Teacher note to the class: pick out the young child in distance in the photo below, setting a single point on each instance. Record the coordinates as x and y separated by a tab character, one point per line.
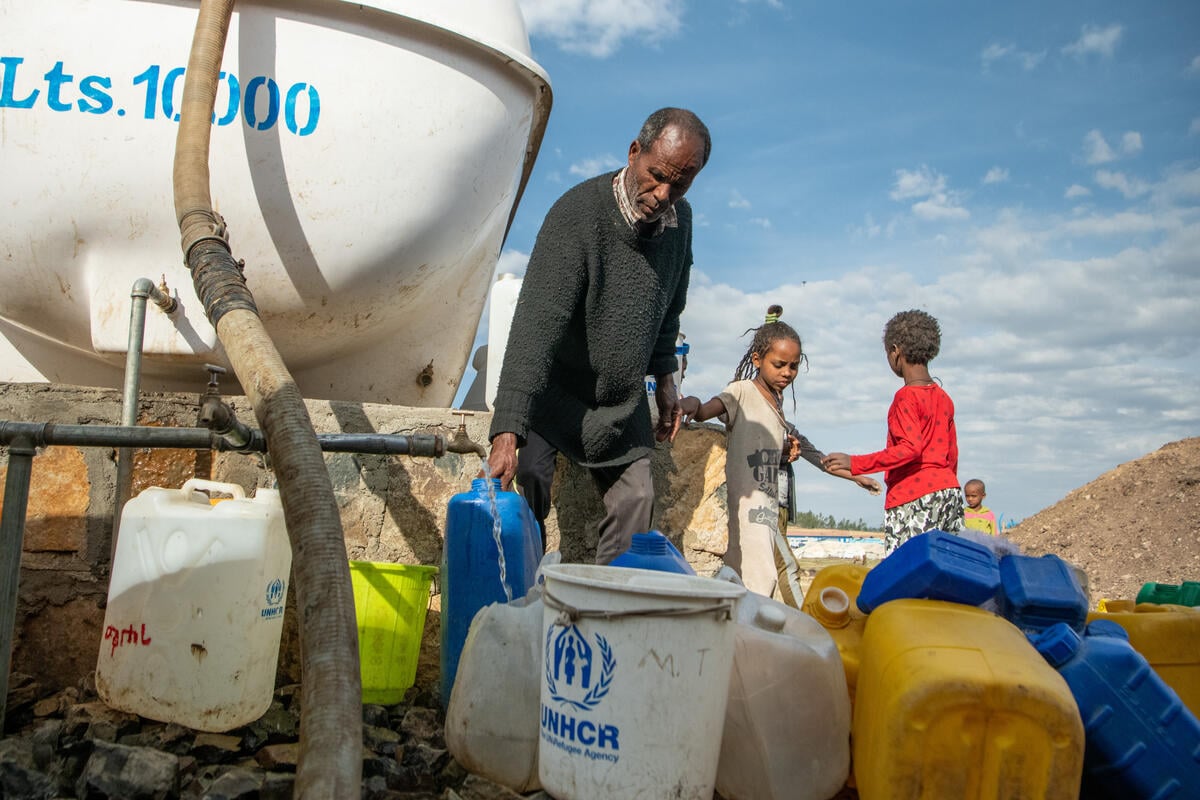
977	516
761	441
920	462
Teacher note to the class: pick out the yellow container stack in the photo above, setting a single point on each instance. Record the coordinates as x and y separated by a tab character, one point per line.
953	702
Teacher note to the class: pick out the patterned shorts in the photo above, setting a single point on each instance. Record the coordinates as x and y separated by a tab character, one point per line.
941	510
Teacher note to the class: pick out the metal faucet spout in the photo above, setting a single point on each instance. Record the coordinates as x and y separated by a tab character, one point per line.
461	442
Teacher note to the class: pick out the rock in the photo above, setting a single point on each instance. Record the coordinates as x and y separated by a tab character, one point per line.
129	773
84	749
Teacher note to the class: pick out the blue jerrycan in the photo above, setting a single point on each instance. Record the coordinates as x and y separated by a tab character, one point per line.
482	564
1141	741
935	566
1036	592
652	550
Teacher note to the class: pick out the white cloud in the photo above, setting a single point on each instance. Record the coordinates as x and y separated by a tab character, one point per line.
512	261
1043	349
1194	128
595	165
1194	67
1030	60
1123	223
1094	39
870	229
1096	149
1130	187
918	183
1075	190
599	27
996	52
996	175
936	202
761	222
1177	185
1131	143
771	3
939	207
737	201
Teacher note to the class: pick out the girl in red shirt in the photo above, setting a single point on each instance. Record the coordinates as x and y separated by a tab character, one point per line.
920	462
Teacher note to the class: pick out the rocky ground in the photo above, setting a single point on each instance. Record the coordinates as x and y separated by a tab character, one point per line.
70	745
1139	522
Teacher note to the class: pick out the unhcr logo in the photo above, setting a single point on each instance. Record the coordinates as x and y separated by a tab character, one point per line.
577	674
274	598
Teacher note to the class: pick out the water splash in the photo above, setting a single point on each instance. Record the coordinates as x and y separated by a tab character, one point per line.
491	487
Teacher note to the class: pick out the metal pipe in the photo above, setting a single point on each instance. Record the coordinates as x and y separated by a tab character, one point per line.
23	439
12	537
143	289
421	445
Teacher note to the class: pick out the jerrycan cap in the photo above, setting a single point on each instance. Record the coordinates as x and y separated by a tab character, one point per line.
1057	644
770	618
832	608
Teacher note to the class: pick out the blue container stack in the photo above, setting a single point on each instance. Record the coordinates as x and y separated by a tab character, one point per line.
1142	743
654	551
470	570
1036	593
933	566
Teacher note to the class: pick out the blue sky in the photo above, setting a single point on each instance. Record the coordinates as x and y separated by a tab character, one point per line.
1028	173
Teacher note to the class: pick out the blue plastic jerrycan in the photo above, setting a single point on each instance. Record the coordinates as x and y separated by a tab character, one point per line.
1036	592
652	550
478	570
1141	741
934	566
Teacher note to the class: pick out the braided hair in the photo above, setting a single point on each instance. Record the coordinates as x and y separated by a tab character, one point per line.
766	335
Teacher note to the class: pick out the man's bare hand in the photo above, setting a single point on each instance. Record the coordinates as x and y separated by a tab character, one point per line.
670	412
502	461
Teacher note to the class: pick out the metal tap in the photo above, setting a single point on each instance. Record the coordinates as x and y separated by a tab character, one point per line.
462	443
217	415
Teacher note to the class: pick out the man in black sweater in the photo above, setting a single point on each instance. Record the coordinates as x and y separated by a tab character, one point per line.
598	311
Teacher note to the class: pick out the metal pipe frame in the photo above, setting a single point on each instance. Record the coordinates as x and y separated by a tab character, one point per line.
24	438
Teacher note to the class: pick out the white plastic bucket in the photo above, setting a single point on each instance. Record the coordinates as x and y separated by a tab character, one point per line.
635	676
195	606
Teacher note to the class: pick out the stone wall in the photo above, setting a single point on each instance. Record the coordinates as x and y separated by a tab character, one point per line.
393	508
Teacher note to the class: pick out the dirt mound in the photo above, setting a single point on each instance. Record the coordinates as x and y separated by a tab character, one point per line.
1136	523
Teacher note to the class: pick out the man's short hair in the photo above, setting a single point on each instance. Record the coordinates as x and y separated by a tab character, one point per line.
664	118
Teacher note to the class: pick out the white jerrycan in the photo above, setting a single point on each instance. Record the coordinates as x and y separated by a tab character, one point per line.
195	606
787	724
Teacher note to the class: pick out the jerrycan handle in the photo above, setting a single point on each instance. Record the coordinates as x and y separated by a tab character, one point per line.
193	485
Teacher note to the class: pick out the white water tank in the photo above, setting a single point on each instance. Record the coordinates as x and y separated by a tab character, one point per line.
366	157
505	292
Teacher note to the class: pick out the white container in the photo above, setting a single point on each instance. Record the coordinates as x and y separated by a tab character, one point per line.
502	306
681	352
492	717
195	606
366	156
635	678
787	724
